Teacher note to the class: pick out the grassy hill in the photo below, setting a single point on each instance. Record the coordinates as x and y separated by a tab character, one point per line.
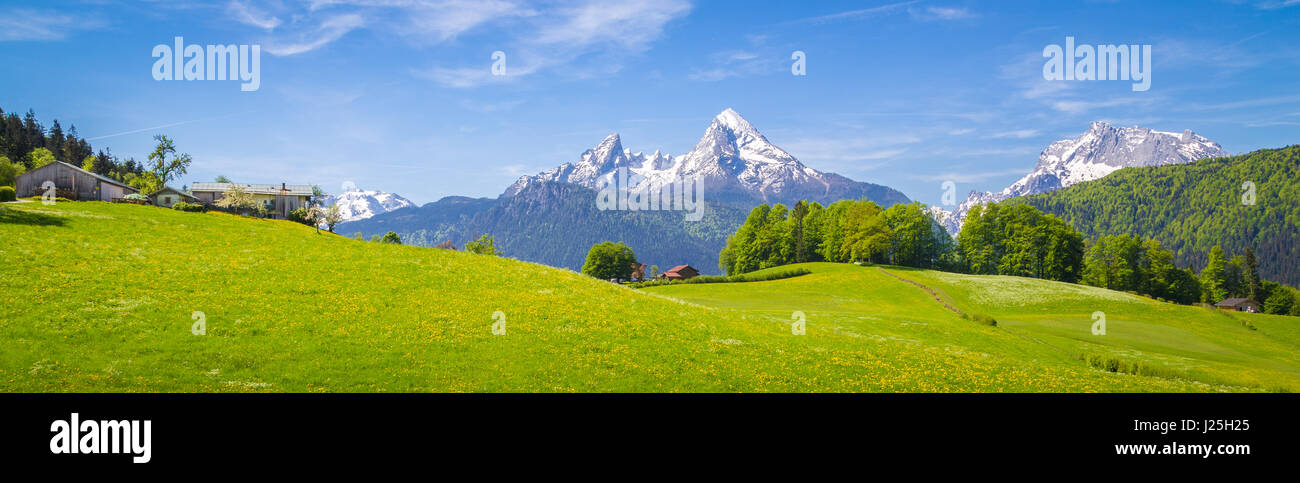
100	297
1040	321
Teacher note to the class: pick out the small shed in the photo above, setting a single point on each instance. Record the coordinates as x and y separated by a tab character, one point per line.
70	182
680	272
1239	305
169	196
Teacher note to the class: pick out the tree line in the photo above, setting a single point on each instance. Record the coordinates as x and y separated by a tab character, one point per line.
26	144
996	239
844	231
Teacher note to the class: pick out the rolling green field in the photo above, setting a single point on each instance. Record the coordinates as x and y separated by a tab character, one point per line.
101	297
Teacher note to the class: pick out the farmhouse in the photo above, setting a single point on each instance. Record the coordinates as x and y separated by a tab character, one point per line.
279	200
1239	305
680	272
70	182
169	196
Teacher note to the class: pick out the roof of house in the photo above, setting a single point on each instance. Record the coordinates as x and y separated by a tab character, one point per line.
679	268
96	176
256	189
1235	302
173	190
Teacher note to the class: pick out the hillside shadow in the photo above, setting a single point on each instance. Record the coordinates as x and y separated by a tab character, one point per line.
24	217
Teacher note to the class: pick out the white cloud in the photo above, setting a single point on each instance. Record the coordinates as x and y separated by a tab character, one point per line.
26	24
941	13
631	25
252	16
329	30
517	170
740	63
442	21
847	153
968	177
1079	107
1016	134
597	32
858	14
1276	4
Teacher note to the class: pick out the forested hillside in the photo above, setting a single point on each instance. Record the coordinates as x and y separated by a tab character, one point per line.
26	144
556	223
1237	202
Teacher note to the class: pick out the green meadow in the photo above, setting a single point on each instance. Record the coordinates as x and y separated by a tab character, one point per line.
103	297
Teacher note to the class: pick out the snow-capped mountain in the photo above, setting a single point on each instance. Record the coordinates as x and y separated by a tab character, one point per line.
356	204
733	161
1099	151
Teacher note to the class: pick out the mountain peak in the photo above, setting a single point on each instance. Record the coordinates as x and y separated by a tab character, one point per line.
1096	153
358	204
731	119
732	161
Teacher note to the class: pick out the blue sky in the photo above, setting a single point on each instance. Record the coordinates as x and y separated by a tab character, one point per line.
398	95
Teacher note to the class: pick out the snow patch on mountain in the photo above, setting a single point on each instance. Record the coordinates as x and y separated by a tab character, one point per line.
733	161
1099	151
357	204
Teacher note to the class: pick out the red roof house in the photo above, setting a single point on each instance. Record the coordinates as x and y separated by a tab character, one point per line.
680	272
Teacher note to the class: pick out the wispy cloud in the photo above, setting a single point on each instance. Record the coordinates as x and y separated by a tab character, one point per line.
967	177
740	63
331	29
859	13
254	16
534	38
850	153
931	14
164	126
1276	4
28	24
1247	103
1016	134
490	106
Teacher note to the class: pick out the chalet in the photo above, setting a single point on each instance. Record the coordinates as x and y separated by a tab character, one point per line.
1239	305
279	200
70	182
169	196
680	272
638	271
